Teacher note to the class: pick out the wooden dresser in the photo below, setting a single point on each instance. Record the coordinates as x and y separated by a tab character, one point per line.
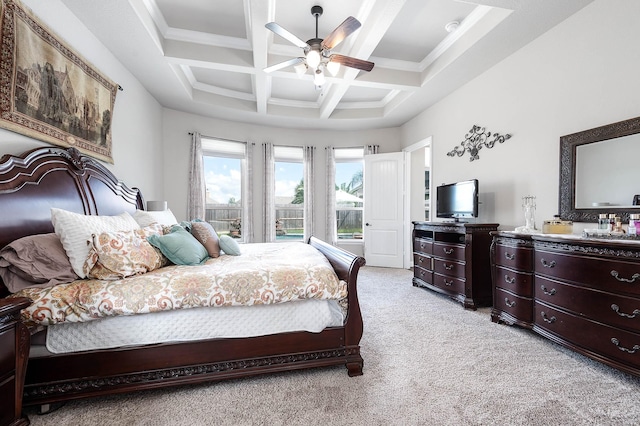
14	354
586	293
453	259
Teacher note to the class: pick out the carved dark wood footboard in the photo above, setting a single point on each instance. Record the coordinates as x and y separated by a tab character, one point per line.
55	177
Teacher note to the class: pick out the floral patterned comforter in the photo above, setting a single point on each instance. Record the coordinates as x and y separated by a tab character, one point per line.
265	273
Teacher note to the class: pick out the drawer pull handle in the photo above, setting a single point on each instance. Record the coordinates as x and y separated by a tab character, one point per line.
448	267
548	292
547	319
509	280
616	308
633	278
509	304
548	264
510	256
622	348
422	245
420	259
422	273
447	251
448	283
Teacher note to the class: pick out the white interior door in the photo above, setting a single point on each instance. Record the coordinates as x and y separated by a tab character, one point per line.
383	209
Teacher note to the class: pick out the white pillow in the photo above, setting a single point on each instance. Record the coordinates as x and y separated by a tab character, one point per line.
75	230
146	218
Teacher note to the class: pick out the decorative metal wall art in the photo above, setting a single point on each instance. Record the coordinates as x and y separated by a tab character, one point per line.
475	140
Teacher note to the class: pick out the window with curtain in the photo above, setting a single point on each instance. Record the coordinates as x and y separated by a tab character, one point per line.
349	165
289	193
225	172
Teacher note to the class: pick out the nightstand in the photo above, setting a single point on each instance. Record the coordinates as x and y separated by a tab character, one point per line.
14	354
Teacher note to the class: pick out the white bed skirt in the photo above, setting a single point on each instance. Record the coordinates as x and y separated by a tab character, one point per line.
194	324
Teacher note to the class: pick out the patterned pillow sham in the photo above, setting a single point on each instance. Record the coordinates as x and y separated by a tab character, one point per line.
207	236
120	254
75	232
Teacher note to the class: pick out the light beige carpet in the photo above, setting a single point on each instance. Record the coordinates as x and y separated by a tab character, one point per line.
427	362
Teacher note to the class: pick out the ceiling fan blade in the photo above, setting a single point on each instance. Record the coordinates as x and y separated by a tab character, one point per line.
286	34
348	61
290	62
347	27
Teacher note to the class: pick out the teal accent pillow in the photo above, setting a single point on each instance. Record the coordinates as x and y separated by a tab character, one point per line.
180	247
229	245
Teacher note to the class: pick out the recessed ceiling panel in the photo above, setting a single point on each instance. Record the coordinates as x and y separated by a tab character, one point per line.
214	17
294	89
295	16
419	28
223	79
363	94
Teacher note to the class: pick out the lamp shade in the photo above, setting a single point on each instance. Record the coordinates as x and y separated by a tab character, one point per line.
313	59
156	206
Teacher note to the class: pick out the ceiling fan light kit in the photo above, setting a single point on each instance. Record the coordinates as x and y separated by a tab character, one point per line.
317	51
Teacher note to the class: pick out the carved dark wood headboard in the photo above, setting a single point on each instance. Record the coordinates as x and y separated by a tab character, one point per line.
42	178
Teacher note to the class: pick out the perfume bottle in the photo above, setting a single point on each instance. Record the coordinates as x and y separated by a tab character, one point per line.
603	222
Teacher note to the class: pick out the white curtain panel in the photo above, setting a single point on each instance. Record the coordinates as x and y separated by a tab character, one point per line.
331	226
269	185
196	199
309	189
247	195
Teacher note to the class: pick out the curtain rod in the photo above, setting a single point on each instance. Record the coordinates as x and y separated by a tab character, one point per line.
221	139
347	147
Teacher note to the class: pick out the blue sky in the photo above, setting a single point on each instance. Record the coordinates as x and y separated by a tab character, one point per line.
222	176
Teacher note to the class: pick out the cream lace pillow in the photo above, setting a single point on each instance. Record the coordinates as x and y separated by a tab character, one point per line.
120	254
75	231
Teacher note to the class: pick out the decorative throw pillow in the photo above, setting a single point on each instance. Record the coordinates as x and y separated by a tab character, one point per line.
35	261
229	245
75	231
120	254
180	247
207	236
146	218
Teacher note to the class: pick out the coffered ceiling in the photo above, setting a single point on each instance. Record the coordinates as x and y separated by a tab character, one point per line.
207	56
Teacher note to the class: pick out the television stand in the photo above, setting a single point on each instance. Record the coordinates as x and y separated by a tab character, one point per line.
453	258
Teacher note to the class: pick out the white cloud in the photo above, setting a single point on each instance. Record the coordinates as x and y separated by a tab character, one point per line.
222	187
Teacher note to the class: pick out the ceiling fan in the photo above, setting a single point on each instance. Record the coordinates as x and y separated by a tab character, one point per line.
317	51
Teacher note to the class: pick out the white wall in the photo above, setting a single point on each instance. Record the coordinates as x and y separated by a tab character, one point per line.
137	116
177	126
581	74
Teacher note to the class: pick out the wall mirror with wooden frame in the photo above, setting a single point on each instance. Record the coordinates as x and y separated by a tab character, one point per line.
599	172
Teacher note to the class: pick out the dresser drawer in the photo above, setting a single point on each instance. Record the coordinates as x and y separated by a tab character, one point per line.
448	251
517	282
610	342
423	245
422	261
423	275
610	275
519	307
520	258
448	283
448	267
8	352
617	310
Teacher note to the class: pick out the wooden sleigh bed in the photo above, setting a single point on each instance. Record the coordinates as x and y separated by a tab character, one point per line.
31	184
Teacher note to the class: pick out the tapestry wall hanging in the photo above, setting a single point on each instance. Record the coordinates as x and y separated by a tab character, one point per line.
47	90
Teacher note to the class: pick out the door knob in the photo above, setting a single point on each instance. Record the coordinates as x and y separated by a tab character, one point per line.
367	224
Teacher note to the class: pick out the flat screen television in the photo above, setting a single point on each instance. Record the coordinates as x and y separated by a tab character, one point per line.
457	200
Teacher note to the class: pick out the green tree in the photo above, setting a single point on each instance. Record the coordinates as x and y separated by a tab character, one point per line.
299	195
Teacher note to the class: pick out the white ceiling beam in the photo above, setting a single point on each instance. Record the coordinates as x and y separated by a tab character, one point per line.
257	14
377	18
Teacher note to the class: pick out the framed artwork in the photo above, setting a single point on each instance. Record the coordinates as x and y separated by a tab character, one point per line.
47	90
